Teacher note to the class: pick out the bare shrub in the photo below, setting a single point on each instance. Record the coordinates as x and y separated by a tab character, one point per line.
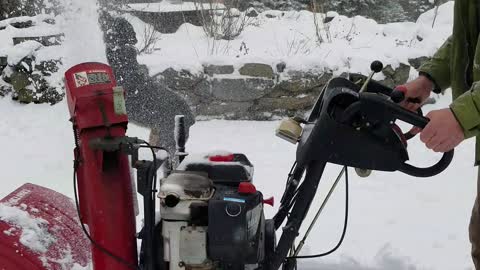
149	39
222	23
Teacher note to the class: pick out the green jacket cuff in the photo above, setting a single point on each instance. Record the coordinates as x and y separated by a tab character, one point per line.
467	114
437	74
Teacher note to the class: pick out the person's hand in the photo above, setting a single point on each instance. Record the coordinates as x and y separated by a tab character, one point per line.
420	89
443	133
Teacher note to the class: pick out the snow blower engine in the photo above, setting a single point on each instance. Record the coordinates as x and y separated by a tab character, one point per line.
205	212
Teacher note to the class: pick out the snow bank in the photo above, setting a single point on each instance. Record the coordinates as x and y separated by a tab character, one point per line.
22	50
34	232
83	36
350	44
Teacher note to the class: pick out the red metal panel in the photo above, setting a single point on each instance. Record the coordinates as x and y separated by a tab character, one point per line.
70	244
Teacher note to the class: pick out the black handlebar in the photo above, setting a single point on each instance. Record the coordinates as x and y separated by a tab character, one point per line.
429	171
414	119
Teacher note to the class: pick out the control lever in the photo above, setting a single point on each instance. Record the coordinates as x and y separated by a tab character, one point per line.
375	67
398	95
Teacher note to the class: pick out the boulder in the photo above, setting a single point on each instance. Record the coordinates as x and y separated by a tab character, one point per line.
251	12
257	70
218	69
299	82
3	62
51	40
298	103
394	77
281	67
240	89
417	62
22	24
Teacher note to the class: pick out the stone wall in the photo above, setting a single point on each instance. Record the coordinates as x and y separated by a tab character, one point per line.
257	91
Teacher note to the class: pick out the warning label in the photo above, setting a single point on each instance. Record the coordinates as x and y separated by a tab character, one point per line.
81	79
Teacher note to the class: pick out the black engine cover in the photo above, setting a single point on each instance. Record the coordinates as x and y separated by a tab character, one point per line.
236	227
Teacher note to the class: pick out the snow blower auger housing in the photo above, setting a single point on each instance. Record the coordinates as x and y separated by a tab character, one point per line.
211	216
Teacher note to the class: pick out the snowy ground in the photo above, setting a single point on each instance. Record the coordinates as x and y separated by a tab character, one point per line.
396	222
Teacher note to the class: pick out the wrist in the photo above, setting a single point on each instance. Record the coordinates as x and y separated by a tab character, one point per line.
434	86
426	84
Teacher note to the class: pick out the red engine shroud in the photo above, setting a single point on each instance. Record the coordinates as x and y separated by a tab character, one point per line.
58	213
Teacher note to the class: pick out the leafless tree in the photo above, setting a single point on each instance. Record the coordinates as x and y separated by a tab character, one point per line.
149	39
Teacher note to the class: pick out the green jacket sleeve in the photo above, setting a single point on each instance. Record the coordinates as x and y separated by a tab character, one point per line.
438	68
466	110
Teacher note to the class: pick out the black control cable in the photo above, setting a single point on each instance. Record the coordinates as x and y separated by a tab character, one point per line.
344	231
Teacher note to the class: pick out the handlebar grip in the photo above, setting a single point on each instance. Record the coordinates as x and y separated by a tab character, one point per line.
430	171
398	94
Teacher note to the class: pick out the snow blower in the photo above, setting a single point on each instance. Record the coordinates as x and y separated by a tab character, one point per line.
209	215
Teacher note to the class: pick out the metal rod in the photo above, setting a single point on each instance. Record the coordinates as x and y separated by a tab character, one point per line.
364	86
302	242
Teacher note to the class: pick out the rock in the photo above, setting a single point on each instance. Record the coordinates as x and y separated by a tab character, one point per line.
397	76
51	40
240	89
181	80
300	82
402	73
257	70
49	21
394	77
3	62
388	71
224	110
330	16
251	12
22	24
298	103
217	69
281	67
417	62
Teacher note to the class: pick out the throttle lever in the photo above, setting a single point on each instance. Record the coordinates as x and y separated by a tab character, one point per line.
398	95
